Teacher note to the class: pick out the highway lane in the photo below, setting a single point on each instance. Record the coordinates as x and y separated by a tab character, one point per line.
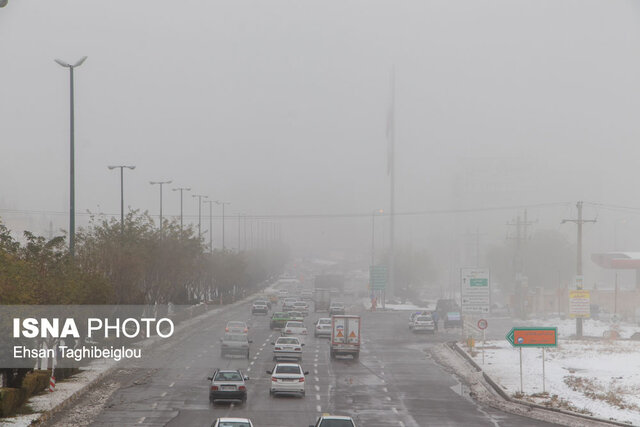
393	383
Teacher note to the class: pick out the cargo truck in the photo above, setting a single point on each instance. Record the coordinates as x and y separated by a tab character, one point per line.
345	336
321	299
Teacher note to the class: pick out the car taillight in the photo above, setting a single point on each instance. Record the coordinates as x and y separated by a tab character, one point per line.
242	387
246	330
274	379
226	329
278	348
288	331
301	379
214	387
297	349
304	331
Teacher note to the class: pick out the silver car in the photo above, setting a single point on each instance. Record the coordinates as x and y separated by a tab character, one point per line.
235	344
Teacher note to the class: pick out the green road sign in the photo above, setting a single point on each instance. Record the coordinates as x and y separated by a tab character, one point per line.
378	277
475	283
533	337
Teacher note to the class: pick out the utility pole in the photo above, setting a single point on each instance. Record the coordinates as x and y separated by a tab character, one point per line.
579	221
518	260
181	189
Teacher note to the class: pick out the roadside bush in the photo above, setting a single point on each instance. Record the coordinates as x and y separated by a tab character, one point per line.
36	381
10	400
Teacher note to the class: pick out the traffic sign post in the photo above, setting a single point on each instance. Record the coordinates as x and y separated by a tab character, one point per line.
482	325
475	290
378	277
579	304
533	337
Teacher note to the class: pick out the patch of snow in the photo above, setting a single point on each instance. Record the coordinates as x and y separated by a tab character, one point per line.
610	366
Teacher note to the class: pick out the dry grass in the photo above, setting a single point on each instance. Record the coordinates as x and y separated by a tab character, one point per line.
613	394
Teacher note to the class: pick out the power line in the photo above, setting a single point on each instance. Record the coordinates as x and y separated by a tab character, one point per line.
311	215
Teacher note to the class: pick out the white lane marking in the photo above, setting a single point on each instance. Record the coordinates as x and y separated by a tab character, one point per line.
187	367
388	398
317	387
248	369
318	408
401	423
155	405
394	410
252	362
317	379
172	384
385	389
315	365
141	420
163	394
317	397
255	357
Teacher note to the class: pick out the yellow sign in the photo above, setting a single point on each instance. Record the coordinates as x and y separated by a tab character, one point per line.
579	304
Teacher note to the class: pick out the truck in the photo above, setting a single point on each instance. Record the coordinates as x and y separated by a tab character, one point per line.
321	299
345	336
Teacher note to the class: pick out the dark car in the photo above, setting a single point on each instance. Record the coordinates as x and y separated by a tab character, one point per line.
227	385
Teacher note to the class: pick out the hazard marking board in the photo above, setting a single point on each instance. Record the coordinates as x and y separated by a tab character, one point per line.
340	334
352	335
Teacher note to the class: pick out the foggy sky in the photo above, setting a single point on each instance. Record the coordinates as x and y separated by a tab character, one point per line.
280	107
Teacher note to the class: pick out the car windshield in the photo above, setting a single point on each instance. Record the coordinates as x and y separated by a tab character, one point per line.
234	424
324	321
423	318
287	341
287	370
235	337
280	314
336	423
300	304
228	376
295	314
295	325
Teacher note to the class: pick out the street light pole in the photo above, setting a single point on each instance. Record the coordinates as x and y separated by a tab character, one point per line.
200	197
72	174
121	192
218	202
181	189
160	183
211	202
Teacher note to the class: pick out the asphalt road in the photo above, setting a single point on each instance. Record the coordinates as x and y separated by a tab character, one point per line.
394	382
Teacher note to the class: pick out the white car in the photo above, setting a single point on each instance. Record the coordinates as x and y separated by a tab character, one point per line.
302	307
232	422
423	323
287	348
287	378
294	328
334	421
287	304
323	327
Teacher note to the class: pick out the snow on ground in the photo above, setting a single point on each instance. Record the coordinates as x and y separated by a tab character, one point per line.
601	378
590	327
46	401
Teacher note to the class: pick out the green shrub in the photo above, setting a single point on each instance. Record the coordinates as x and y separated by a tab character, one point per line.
10	400
36	381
